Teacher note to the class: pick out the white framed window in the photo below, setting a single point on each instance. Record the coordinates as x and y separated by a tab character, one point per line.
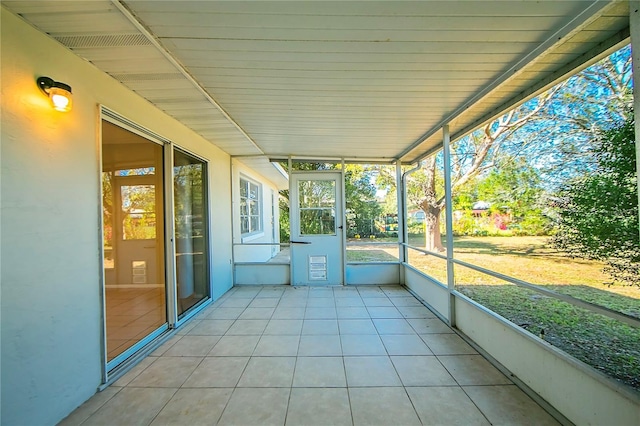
250	207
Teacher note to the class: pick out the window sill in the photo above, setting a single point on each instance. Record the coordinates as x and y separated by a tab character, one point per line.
251	237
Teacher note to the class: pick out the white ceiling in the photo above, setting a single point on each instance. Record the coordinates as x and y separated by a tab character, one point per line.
359	80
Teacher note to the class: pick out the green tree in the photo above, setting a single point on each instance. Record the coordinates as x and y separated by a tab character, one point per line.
360	199
188	190
470	156
360	194
598	216
283	199
551	130
513	184
515	187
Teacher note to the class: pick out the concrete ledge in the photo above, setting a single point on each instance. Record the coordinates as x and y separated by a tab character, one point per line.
373	273
434	293
262	274
576	390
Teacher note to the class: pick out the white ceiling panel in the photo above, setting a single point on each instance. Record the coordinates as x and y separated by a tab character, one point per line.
34	7
106	21
353	79
135	65
262	165
100	32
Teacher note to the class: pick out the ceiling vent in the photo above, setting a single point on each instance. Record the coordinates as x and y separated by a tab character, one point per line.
115	40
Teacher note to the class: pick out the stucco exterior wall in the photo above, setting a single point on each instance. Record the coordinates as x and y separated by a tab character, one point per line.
270	217
51	309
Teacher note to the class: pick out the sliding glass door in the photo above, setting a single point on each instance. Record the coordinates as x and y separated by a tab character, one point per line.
190	224
133	238
155	237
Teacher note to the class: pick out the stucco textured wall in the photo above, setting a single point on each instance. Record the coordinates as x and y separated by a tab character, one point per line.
50	272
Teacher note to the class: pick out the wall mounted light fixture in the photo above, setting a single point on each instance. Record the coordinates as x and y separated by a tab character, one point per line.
59	93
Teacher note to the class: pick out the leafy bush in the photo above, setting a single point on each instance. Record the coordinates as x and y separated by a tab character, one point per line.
598	218
465	224
533	224
415	227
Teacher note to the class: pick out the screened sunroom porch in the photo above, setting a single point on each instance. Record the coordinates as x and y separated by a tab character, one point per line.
226	96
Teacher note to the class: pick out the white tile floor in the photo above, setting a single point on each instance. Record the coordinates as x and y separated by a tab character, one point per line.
364	355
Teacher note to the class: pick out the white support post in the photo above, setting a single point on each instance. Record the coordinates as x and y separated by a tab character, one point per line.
291	189
446	140
169	237
343	213
402	212
634	24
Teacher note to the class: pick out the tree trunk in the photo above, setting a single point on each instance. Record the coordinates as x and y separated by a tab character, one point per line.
433	240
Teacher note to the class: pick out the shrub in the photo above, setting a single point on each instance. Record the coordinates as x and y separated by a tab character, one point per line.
534	223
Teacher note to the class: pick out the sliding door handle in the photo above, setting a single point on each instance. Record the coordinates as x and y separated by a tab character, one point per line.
300	242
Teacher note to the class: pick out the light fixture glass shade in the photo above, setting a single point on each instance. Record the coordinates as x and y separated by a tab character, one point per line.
59	93
60	99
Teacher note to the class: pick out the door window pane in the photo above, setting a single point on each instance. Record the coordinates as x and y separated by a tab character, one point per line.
133	237
317	222
136	172
317	207
191	219
317	193
138	212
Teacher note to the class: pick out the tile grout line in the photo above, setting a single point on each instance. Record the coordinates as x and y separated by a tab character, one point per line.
298	356
96	410
474	403
344	366
463	390
164	405
404	388
235	388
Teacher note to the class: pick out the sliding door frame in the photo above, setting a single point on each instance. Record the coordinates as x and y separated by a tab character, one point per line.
170	232
202	304
121	363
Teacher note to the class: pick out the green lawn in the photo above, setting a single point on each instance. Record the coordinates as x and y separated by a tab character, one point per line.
608	345
530	259
604	343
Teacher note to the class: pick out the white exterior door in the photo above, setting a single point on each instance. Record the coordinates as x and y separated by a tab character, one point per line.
317	223
139	263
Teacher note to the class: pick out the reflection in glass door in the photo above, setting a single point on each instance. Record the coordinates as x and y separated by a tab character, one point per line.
190	209
133	238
